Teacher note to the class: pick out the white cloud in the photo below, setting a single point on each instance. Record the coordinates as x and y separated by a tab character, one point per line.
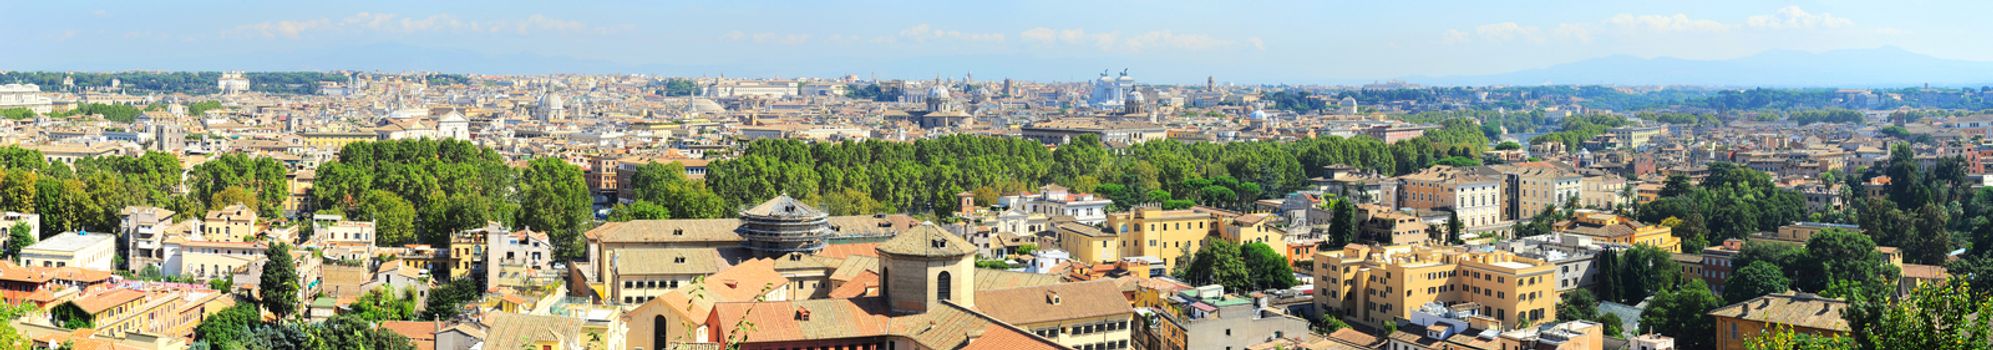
924	32
1789	17
765	38
1509	31
1793	17
373	22
1666	24
1116	42
1258	44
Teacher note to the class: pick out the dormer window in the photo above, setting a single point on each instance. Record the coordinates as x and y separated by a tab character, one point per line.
937	243
680	260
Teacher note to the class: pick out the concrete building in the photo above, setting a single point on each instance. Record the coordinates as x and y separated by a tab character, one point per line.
1055	200
10	219
1609	228
144	230
1389	226
1532	187
1162	234
96	251
28	96
1063	130
1475	194
1379	285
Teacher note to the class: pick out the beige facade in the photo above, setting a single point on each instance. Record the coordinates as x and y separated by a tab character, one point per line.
1170	235
1475	195
1379	285
1087	243
1254	228
234	223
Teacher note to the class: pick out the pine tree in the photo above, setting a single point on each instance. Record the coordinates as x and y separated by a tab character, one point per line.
279	283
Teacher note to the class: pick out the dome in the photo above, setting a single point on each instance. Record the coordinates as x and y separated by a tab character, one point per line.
938	92
1136	96
552	101
927	240
1257	115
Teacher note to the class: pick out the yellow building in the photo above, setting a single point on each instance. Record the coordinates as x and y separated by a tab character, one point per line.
1803	313
1170	235
337	140
1087	243
234	223
1379	285
1392	226
1605	227
1254	228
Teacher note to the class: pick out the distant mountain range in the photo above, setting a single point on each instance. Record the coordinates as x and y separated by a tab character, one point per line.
1878	67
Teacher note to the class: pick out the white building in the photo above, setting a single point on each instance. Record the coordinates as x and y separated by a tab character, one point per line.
94	251
1055	200
27	96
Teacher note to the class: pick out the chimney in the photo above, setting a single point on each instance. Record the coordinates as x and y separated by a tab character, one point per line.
1052	297
802	314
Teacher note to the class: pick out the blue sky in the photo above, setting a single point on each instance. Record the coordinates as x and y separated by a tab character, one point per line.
1243	41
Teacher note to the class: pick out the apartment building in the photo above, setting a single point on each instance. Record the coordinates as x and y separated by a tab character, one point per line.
1475	193
233	223
1609	228
1170	235
1537	185
1380	285
1087	244
73	249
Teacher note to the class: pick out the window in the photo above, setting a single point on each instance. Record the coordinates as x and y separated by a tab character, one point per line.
942	284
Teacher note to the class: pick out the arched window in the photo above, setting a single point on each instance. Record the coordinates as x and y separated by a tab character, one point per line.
944	288
659	337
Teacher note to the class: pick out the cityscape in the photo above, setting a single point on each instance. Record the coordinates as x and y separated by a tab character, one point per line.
925	175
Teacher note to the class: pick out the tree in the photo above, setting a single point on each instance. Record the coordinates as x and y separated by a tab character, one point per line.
393	217
19	236
1342	224
446	302
1938	316
385	304
554	198
1754	280
1577	304
1682	313
639	210
229	326
1540	224
1453	227
17	189
1641	272
1781	337
231	196
1218	262
1268	268
348	332
1835	256
278	285
68	315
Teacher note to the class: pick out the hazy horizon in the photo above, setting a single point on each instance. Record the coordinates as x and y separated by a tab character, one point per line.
1271	42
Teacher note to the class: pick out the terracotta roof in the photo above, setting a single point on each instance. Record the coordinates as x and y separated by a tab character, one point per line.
927	240
1068	301
514	331
97	303
667	231
1925	272
859	286
1798	310
422	333
746	281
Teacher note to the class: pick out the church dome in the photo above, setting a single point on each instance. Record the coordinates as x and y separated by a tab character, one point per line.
1257	115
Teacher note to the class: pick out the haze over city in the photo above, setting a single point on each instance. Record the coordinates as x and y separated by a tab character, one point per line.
1176	42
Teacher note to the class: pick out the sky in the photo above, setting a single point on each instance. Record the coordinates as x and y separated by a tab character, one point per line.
1238	41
